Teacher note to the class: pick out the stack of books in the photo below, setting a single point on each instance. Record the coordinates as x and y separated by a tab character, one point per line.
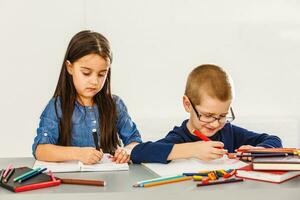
271	165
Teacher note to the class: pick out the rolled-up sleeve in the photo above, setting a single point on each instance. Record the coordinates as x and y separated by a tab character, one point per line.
127	129
48	131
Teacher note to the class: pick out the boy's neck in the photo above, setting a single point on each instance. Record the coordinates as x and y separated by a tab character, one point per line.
190	127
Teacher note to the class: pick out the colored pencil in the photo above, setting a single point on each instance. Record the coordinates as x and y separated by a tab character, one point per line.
167	181
82	182
195	174
1	174
25	174
10	173
140	183
7	170
29	176
263	155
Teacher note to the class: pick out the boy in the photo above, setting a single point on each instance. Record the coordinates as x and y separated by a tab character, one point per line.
208	96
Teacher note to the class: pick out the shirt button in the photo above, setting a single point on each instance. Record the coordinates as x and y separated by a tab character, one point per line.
94	130
45	134
94	121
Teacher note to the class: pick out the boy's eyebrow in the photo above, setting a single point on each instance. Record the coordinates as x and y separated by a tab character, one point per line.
208	113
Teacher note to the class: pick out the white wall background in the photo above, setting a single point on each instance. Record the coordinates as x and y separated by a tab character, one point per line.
156	43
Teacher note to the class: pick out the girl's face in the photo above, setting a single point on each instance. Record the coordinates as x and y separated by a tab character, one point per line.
89	75
210	107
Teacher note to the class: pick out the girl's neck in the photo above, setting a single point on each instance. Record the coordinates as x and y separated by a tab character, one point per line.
85	102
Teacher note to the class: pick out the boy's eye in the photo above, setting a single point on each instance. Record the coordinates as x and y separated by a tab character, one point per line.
86	73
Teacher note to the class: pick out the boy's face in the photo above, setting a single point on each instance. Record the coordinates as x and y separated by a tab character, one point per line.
89	75
209	108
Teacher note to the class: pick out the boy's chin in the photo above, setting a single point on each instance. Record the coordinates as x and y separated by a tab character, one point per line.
209	133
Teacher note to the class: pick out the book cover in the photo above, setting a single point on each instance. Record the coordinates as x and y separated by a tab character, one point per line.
33	183
266	175
277	163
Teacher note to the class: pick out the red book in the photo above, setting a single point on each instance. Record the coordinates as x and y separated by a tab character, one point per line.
247	172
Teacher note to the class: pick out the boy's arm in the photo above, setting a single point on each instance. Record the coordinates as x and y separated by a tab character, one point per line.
155	152
159	152
244	137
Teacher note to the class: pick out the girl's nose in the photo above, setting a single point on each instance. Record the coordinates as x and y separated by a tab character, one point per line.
94	80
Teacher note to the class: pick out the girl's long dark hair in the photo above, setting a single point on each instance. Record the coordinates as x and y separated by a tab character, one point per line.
84	43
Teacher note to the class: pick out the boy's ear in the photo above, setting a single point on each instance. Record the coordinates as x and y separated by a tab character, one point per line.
69	67
186	103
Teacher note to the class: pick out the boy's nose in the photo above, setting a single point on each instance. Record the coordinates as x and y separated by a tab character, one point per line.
215	123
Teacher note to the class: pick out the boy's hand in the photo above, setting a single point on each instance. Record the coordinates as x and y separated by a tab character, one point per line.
244	147
89	155
121	156
209	150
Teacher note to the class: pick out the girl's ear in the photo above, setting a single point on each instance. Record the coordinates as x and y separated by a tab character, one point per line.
186	103
69	67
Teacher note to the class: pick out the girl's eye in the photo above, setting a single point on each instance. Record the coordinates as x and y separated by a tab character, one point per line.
101	75
86	73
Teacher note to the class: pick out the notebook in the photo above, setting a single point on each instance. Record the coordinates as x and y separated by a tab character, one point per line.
266	175
40	181
75	166
277	163
193	166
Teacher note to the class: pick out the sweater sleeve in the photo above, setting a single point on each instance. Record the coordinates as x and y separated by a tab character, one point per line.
155	152
245	137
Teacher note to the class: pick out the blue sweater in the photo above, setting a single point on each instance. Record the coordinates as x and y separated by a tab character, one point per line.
232	136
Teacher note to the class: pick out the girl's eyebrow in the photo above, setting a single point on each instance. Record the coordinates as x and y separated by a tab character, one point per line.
103	70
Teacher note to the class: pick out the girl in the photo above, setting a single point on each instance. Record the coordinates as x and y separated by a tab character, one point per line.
83	111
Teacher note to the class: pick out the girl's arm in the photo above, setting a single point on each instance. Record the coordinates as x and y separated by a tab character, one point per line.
55	153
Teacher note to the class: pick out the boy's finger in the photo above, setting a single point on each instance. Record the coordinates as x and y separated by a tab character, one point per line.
217	144
219	151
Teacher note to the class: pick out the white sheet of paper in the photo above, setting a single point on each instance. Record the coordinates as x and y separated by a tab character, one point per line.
72	166
180	166
105	165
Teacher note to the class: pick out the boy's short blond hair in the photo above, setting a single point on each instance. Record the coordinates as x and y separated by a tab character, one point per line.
209	79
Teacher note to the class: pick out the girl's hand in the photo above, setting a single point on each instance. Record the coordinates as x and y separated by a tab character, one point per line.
89	155
245	147
121	156
209	150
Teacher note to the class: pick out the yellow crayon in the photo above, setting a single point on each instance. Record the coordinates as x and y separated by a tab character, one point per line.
197	178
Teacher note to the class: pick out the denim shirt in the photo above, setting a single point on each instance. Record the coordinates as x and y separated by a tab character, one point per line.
85	121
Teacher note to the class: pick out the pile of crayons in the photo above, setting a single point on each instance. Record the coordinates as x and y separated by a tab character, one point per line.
214	177
206	178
